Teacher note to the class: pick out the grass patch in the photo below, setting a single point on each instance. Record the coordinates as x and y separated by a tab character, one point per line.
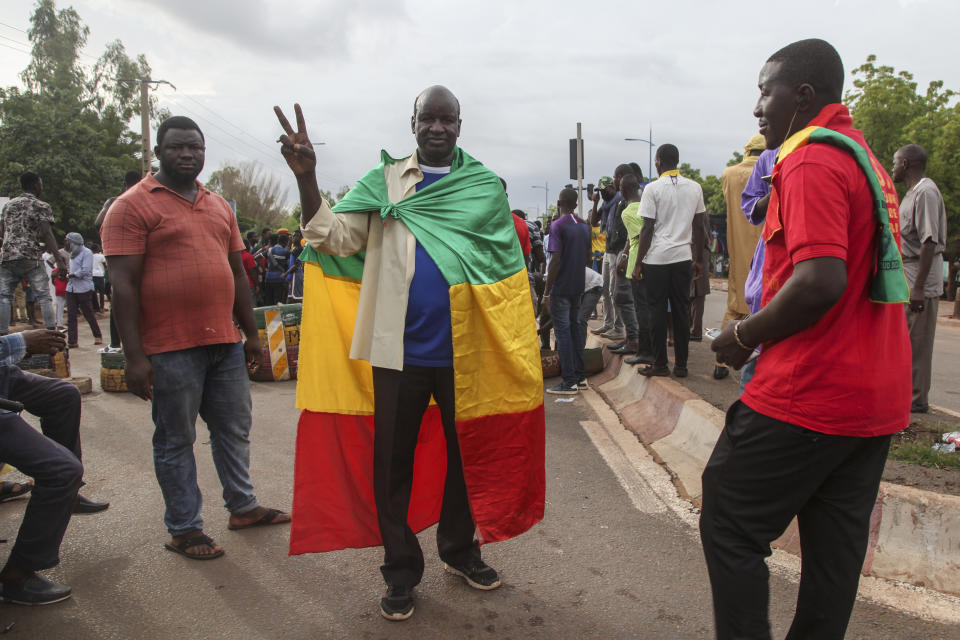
922	453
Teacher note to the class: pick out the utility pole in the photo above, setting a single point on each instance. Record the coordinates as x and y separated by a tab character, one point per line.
649	141
579	172
145	85
546	196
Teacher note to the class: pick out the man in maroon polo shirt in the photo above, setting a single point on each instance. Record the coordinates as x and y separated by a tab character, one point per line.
176	293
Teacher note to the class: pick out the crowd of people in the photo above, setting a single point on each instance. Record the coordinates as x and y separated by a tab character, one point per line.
817	287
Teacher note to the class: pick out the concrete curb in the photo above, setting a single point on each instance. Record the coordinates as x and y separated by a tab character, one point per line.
914	534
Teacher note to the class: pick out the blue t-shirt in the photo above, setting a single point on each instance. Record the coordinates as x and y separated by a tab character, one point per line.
277	263
573	238
428	337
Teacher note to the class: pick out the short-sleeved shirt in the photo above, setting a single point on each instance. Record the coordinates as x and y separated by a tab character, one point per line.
923	217
569	236
187	287
598	240
633	223
99	265
670	202
428	333
849	373
591	279
277	259
523	233
249	264
22	217
536	236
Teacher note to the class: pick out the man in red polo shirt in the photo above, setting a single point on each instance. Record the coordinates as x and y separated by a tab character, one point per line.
173	249
810	436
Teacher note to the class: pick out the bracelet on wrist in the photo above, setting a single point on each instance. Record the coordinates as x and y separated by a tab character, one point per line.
736	336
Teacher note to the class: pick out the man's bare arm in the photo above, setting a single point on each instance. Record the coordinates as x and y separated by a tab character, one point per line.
243	312
125	275
927	252
814	288
51	242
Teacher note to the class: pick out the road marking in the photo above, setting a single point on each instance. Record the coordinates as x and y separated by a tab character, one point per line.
651	491
647	483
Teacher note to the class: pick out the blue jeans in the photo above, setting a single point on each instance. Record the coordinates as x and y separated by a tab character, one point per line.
564	311
746	372
12	272
588	304
210	381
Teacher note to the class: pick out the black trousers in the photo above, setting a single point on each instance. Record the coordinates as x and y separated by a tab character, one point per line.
400	400
80	303
669	282
641	305
52	459
762	473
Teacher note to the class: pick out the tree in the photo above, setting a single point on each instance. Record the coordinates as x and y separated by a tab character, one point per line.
891	113
258	194
67	127
712	190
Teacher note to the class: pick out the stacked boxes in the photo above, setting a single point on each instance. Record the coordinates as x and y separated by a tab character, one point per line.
58	363
112	376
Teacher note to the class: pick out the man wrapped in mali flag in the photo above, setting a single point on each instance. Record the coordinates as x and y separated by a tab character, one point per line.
419	374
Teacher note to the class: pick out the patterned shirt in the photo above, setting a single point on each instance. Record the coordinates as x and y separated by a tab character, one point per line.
21	227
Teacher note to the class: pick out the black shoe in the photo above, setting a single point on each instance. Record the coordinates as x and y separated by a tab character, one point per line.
397	604
720	372
36	590
914	408
640	358
477	574
680	372
85	505
653	370
626	347
695	338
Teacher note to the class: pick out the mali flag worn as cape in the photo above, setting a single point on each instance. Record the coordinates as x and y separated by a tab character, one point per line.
464	224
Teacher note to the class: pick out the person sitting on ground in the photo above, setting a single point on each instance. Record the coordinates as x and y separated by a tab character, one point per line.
51	458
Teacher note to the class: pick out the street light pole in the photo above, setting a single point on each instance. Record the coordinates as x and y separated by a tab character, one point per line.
649	141
546	196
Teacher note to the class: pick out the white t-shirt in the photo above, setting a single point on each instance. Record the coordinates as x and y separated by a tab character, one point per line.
99	265
671	201
592	279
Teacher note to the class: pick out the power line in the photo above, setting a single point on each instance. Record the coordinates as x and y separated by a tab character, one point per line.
14	48
238	128
10	26
272	159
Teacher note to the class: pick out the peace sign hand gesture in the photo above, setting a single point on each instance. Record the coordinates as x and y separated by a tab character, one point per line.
296	147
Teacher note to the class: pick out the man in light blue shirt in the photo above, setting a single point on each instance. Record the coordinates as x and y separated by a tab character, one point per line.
80	289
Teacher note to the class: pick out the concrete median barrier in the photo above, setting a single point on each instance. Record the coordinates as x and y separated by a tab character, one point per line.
915	534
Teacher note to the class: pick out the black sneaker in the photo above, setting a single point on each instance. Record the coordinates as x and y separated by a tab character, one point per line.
583	385
477	574
397	604
36	590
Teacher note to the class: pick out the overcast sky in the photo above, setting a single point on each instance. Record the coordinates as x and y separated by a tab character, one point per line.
525	72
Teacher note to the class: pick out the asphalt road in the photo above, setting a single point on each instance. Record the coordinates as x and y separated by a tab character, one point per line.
606	562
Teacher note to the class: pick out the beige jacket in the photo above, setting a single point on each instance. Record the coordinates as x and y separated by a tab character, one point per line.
387	268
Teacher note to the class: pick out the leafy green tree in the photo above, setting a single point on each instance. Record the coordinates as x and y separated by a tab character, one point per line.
712	191
68	124
887	106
